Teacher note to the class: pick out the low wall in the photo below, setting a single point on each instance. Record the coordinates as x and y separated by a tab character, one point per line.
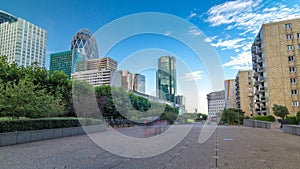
291	129
261	124
20	137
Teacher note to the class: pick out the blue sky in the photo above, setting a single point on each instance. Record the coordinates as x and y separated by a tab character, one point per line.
228	26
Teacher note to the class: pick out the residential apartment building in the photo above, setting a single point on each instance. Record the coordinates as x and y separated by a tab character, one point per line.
216	104
244	92
230	93
276	66
21	41
99	77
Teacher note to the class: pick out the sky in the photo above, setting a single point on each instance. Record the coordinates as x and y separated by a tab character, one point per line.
211	40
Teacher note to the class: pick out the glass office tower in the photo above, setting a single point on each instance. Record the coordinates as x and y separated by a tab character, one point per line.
166	78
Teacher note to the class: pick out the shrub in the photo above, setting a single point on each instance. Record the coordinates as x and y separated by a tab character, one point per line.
45	123
292	119
269	118
298	116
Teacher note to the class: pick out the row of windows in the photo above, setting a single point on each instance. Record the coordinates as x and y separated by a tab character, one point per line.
291	47
290	36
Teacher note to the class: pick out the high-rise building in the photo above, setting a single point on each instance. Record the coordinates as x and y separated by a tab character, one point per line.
102	63
139	83
99	77
166	78
85	43
6	17
216	104
230	93
21	41
127	80
276	63
67	61
244	92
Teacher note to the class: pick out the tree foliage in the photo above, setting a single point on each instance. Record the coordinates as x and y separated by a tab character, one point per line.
280	111
232	116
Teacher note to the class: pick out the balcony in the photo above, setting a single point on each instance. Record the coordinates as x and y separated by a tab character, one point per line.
261	79
260	60
260	70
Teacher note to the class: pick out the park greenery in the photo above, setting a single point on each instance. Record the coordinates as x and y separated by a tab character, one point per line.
232	116
33	92
268	118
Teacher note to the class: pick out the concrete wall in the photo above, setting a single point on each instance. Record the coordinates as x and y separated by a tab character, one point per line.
38	135
261	124
291	129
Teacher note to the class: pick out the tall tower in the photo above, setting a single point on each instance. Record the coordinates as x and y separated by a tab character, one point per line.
21	41
166	78
276	63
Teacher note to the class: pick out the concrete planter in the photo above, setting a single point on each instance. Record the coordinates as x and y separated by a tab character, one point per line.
38	135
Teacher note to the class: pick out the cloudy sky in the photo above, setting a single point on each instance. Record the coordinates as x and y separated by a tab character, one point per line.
228	27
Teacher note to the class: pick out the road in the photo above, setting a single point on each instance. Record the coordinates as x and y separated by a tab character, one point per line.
229	147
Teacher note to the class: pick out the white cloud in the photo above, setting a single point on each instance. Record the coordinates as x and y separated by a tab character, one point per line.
168	33
210	39
192	15
194	31
242	61
229	44
196	75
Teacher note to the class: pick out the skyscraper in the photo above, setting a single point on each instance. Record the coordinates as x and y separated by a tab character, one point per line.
85	43
275	60
166	78
21	41
67	61
139	83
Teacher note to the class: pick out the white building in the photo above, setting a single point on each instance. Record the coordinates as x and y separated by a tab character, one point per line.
99	77
216	103
23	42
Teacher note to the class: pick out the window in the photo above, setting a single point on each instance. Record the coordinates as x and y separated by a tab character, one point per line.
291	58
288	26
289	36
292	69
298	35
290	47
298	46
294	91
293	80
295	104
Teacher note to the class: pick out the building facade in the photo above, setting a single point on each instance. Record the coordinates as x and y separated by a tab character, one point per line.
166	78
99	77
244	92
216	104
127	80
139	82
67	61
276	63
230	93
85	43
21	41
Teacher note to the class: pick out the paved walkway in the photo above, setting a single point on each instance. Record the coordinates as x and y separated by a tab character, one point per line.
229	147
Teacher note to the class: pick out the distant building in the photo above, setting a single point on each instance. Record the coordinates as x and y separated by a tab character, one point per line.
6	17
216	104
21	41
139	83
230	93
127	80
85	43
244	92
166	78
99	77
108	63
180	103
275	61
67	61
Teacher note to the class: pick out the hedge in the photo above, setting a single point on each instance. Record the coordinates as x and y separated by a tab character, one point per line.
269	118
292	119
44	123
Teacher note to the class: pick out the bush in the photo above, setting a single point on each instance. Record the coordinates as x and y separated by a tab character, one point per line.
45	123
292	119
269	118
298	116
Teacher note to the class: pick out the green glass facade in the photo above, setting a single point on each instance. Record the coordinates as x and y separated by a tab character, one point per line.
166	78
67	61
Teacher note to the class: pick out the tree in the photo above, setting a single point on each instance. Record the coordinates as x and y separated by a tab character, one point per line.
298	116
232	116
23	99
280	111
